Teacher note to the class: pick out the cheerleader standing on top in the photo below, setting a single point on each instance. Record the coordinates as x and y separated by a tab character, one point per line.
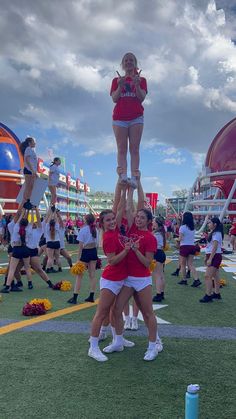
87	253
160	258
128	92
53	180
213	260
27	148
20	234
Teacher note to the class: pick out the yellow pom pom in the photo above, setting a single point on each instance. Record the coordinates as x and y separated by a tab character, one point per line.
223	265
47	303
167	247
66	286
3	271
152	265
223	282
78	268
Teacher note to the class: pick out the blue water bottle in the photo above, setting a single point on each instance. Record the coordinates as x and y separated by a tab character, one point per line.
192	401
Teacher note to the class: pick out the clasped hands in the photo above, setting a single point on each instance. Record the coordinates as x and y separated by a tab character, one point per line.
132	245
136	79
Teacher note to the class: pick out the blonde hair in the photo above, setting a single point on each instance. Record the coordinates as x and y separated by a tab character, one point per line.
135	60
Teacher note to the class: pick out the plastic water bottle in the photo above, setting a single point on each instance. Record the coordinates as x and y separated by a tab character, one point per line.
192	401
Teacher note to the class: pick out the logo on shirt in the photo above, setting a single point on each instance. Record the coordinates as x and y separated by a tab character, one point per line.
133	238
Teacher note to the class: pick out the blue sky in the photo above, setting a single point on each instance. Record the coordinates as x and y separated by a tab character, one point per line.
56	67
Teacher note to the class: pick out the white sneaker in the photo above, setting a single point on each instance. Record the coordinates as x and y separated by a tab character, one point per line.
151	354
134	324
159	345
128	343
97	354
127	325
102	336
113	348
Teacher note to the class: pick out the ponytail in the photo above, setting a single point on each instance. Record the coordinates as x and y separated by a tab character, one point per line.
52	229
161	230
22	231
55	160
218	227
25	144
90	221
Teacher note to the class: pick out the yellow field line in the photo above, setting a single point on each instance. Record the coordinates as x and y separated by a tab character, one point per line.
24	323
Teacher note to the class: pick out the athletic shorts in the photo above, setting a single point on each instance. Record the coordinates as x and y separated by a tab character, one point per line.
216	261
33	252
53	245
113	286
88	255
138	283
127	124
20	252
26	171
160	256
187	250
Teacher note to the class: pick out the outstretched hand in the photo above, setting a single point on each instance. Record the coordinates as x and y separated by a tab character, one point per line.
137	79
121	80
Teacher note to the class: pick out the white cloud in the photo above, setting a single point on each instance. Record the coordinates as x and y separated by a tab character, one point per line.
170	150
151	181
89	153
198	159
172	160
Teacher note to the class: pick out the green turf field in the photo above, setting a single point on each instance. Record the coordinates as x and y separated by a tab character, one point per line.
48	374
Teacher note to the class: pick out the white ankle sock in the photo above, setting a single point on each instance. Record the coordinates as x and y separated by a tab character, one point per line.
151	345
119	340
93	342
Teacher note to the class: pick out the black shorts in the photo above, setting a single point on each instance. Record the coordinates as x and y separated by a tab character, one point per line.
33	252
9	249
26	171
160	256
42	242
53	245
20	252
89	254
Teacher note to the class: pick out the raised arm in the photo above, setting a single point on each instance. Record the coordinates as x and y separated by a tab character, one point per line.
121	206
117	197
141	196
130	207
60	220
38	219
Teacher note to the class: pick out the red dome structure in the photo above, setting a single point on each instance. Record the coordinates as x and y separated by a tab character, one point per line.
11	163
214	191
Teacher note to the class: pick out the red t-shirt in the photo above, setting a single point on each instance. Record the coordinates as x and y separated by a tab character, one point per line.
128	106
113	244
147	243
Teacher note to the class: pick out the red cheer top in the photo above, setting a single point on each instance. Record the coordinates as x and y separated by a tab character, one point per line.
128	106
147	243
112	243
